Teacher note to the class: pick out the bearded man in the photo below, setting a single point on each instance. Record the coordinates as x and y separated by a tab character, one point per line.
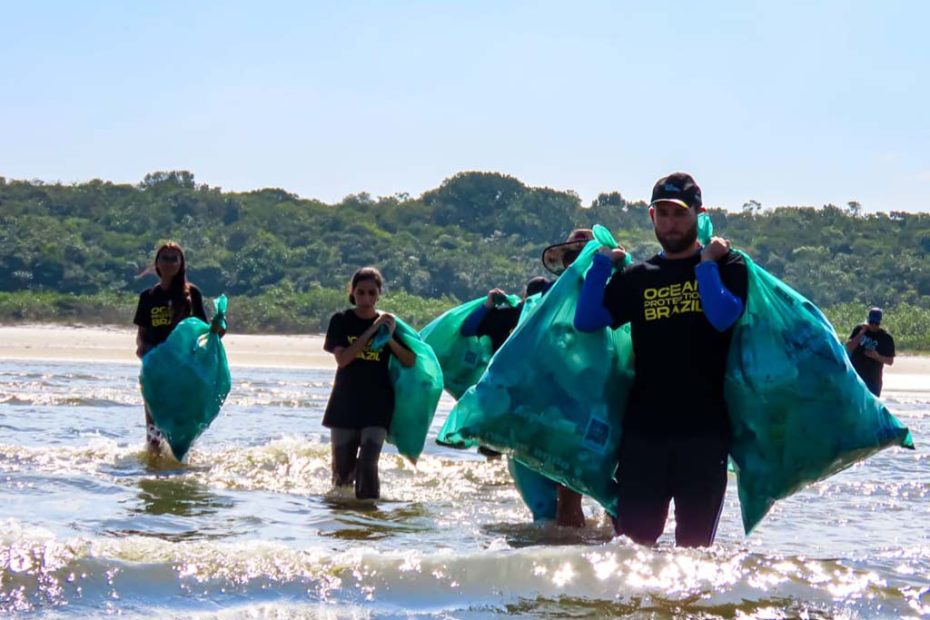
682	304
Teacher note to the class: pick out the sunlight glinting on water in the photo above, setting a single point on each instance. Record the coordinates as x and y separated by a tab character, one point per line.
63	460
35	565
287	465
91	523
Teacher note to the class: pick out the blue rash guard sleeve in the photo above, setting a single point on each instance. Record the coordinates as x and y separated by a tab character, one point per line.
473	321
590	314
721	307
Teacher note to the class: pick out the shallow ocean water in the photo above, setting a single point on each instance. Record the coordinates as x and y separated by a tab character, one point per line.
249	529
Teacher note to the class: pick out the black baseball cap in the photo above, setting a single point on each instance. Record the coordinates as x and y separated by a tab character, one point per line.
678	188
875	316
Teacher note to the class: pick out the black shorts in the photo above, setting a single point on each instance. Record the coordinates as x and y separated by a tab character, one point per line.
653	470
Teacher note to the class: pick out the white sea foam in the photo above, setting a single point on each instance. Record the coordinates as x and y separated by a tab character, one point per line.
90	526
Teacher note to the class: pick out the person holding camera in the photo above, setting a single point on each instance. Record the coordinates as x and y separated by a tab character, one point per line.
870	349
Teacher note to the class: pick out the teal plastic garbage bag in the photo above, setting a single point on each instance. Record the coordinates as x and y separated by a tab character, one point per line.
705	228
463	358
798	410
553	397
416	393
185	380
529	304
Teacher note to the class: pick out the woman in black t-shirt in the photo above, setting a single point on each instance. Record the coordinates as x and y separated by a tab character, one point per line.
361	404
160	309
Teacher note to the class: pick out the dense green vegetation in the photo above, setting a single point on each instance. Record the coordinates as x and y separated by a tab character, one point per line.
73	252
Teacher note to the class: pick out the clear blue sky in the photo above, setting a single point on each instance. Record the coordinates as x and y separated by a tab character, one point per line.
787	103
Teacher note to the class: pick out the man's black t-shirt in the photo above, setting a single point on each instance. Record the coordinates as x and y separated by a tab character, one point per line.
498	323
679	358
157	314
870	370
362	392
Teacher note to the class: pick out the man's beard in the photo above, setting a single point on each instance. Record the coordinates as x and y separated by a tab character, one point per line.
685	242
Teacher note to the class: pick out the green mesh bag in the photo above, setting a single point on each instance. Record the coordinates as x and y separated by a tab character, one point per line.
553	397
416	393
185	380
798	410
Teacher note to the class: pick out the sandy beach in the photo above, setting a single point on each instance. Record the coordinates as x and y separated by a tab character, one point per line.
116	345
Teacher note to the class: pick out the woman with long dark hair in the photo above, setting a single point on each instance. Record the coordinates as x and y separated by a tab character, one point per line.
161	308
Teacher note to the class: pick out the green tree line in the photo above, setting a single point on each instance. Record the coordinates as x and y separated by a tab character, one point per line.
74	252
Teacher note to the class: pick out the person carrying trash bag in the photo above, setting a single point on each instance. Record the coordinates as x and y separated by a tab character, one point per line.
361	404
160	310
680	306
545	402
480	332
496	318
797	412
465	337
